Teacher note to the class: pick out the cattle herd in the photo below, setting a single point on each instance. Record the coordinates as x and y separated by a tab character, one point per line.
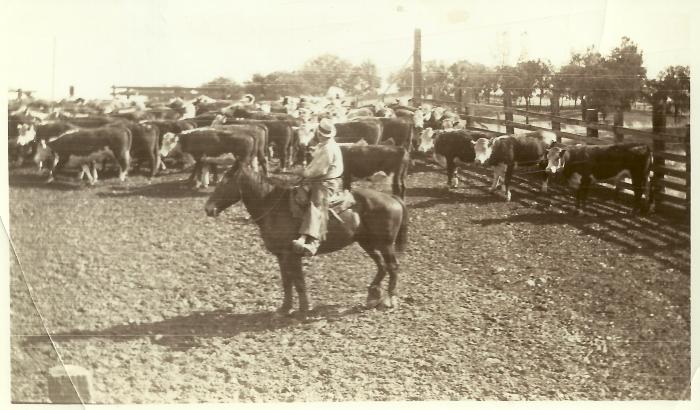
373	138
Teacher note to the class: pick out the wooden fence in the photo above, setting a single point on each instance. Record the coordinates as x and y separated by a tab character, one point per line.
671	165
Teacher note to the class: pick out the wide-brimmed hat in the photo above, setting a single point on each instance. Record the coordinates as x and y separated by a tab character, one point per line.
250	97
326	128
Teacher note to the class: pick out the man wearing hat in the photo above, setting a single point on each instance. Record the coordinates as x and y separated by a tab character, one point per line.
323	174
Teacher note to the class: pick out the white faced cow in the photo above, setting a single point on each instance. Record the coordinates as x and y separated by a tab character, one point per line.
506	152
582	165
87	146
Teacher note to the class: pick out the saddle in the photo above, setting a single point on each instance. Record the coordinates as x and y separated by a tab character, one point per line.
337	204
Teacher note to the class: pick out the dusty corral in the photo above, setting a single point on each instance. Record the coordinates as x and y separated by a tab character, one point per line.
499	301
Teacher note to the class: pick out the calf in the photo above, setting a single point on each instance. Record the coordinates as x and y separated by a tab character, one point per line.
582	165
87	146
506	152
362	161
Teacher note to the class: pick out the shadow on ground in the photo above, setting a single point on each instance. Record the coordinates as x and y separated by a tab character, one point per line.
182	332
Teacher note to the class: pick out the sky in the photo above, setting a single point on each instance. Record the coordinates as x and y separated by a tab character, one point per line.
96	44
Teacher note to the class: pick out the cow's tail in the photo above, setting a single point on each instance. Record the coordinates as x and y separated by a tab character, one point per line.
127	151
401	241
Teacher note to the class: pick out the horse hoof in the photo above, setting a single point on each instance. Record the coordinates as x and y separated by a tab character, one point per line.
284	312
390	302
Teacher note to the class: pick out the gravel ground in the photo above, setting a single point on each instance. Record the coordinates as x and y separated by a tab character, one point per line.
499	301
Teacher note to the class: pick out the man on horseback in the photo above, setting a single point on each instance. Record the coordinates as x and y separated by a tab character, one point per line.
323	176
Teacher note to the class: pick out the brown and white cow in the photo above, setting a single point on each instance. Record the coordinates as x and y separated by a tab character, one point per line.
87	146
362	161
453	147
507	152
246	142
583	165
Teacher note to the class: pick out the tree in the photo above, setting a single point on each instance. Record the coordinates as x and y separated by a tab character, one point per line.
435	77
364	78
625	76
325	71
233	89
470	77
403	79
675	81
534	74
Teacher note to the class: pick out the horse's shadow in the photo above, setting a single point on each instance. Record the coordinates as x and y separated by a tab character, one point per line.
443	196
169	189
184	332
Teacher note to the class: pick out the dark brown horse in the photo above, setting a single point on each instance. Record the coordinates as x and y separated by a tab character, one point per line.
378	222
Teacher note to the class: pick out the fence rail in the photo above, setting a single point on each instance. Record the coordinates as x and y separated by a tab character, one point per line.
673	193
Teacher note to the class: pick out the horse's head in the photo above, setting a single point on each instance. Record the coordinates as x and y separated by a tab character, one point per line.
227	192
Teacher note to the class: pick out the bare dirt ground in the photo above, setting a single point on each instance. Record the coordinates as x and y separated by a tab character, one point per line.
499	301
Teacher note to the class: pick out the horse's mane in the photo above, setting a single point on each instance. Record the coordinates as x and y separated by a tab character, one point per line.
277	184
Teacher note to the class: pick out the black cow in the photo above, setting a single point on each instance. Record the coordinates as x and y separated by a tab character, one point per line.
582	165
506	152
362	161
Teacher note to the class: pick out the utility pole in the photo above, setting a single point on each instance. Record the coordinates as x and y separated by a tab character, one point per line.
53	70
417	69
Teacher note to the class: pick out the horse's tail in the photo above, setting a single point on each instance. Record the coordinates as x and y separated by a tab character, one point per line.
402	236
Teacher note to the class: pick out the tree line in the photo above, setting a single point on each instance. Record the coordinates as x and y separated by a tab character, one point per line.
608	82
315	77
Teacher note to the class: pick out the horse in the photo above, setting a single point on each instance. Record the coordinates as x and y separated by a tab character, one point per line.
378	222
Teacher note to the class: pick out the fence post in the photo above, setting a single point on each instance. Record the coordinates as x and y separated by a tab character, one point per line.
658	124
687	167
591	117
468	109
508	104
70	384
554	109
619	121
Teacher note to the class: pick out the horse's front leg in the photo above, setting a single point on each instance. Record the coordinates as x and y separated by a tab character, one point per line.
287	284
297	274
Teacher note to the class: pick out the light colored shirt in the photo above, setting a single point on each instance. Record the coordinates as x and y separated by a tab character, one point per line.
326	162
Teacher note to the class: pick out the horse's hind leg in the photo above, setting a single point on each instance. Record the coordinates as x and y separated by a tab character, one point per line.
374	293
391	264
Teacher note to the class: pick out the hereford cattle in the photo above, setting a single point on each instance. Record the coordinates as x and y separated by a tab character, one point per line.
352	132
281	134
450	146
168	126
399	131
367	111
582	165
415	116
244	141
87	146
362	161
144	143
507	152
31	135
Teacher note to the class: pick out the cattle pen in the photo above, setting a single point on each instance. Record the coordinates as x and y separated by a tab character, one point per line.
671	147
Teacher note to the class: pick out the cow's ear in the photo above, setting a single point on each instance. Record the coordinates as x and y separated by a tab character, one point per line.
473	142
561	153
